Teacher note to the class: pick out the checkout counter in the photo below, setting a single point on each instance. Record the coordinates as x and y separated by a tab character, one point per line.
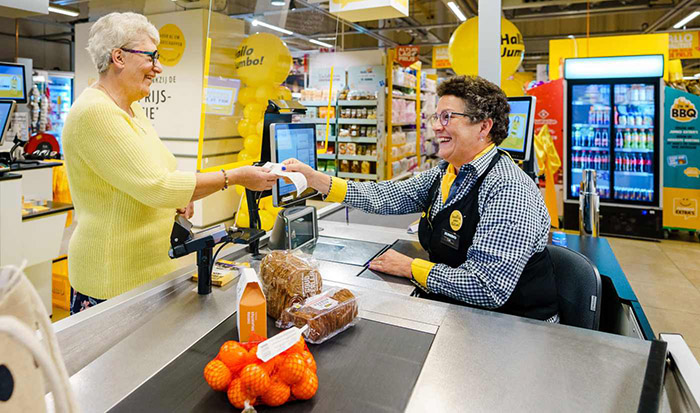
406	354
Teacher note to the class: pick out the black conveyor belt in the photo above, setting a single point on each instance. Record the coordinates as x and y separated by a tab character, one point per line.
369	367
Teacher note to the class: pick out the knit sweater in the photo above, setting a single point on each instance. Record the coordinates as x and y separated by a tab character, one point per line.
125	191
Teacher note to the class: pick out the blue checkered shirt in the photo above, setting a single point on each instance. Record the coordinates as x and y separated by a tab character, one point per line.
514	225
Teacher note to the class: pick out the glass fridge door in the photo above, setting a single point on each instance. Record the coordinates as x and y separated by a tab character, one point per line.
61	90
590	136
634	142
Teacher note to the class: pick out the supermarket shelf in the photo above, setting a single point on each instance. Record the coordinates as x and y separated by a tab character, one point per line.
358	158
348	121
356	175
413	98
402	176
329	173
404	86
629	173
591	125
357	139
317	120
323	139
634	126
579	170
357	103
410	155
404	124
642	103
326	156
316	103
428	91
637	150
590	148
590	104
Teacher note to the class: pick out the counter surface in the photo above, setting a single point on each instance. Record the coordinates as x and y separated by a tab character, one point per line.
479	360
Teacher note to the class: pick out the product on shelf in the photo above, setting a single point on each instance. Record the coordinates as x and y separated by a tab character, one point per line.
355	167
312	94
351	149
365	167
344	166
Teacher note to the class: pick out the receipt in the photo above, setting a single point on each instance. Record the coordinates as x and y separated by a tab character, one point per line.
297	178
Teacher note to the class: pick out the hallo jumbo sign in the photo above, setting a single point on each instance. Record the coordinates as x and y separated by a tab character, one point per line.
684	45
683	110
364	10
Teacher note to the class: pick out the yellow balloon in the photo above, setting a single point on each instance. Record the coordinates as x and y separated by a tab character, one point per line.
244	156
239	189
253	112
252	145
265	92
267	220
464	48
263	58
266	203
245	127
242	219
246	96
259	127
512	88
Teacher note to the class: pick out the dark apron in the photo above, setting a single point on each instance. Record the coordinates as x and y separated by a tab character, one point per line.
449	235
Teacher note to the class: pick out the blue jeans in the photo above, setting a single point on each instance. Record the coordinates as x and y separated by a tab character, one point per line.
80	302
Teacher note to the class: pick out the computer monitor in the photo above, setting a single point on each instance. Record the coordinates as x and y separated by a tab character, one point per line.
292	140
12	82
7	108
520	132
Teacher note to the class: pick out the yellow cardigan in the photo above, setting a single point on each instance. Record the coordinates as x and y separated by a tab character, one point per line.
125	190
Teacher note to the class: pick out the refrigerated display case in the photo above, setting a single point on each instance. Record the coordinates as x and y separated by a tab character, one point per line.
612	121
60	86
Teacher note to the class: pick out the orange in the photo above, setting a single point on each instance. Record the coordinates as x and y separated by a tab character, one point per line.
255	379
217	375
309	359
233	355
307	386
291	370
238	396
271	365
277	394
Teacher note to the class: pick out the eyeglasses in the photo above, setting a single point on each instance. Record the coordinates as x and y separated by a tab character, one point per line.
444	117
155	55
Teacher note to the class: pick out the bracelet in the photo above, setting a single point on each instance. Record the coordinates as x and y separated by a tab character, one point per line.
225	180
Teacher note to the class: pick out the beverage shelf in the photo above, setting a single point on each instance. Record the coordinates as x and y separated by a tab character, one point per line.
591	125
634	126
635	150
630	173
579	170
591	104
590	148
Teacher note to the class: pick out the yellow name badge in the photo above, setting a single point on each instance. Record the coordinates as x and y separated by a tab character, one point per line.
455	220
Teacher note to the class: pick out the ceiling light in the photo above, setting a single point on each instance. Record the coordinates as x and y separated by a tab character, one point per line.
314	41
687	19
271	27
327	38
63	10
278	3
455	9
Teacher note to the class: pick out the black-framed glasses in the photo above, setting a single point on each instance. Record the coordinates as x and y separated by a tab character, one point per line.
154	55
444	117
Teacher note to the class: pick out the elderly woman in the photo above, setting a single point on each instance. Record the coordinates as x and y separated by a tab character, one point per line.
123	180
484	223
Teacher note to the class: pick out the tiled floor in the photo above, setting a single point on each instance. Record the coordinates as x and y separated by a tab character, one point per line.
666	278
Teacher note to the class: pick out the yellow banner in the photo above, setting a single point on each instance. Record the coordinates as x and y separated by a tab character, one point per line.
681	209
441	57
684	45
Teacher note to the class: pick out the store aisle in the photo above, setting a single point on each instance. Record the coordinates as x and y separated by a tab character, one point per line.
666	278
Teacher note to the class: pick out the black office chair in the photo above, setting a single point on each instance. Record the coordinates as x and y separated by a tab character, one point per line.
578	287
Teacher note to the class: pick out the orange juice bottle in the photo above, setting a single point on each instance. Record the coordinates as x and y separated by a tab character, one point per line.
252	307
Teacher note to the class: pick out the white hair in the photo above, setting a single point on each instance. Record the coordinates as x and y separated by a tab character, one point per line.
117	30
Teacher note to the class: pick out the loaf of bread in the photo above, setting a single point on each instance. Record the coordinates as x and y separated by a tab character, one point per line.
326	314
286	275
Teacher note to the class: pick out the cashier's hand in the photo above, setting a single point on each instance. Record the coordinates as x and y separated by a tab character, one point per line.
187	211
252	177
293	165
394	263
317	180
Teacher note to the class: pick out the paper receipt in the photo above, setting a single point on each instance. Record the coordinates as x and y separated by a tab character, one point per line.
298	179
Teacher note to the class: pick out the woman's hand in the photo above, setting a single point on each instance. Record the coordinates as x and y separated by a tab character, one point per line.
252	177
317	180
187	211
394	263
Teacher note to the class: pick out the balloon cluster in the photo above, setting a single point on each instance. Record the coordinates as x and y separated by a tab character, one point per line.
262	63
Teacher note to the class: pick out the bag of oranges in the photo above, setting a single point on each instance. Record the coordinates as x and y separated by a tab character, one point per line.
249	381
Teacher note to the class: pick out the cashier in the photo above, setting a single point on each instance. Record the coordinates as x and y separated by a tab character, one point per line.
123	180
484	222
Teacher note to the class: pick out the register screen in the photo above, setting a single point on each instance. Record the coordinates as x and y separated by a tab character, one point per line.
292	142
519	111
4	118
12	82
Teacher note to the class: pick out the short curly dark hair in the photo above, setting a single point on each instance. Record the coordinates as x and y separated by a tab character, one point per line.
483	100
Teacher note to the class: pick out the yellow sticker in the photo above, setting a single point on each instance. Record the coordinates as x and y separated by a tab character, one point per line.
422	215
455	220
172	45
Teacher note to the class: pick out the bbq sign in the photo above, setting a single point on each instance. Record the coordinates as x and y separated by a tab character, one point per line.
683	110
407	55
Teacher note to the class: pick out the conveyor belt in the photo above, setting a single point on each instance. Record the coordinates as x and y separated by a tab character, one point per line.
369	367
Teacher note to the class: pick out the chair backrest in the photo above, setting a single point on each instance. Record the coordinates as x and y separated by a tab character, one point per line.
578	287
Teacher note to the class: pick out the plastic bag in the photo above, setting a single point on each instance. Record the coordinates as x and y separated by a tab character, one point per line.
327	314
288	274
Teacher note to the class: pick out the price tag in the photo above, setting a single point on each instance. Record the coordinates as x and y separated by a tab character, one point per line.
279	343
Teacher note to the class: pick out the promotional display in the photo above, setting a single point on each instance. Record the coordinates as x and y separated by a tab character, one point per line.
613	128
549	113
681	160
